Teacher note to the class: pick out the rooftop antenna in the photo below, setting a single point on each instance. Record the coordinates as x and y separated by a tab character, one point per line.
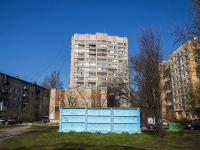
104	30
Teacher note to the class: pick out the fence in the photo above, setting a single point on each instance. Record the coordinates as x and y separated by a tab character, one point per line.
101	120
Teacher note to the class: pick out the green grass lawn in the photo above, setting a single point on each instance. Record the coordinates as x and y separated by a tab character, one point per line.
48	137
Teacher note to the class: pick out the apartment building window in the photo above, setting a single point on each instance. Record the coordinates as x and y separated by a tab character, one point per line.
174	58
101	54
101	79
14	98
121	44
101	64
109	42
111	51
99	83
92	59
19	99
101	50
101	45
90	78
110	47
80	78
80	73
93	64
32	94
13	105
110	65
92	69
92	73
101	59
76	41
80	68
102	73
101	69
110	60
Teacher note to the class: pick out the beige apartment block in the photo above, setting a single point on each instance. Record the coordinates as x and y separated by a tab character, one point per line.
183	73
97	57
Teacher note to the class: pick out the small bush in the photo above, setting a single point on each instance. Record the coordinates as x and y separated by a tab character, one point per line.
26	117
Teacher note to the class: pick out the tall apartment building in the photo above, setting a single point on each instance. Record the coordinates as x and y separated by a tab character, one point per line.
183	73
16	95
97	57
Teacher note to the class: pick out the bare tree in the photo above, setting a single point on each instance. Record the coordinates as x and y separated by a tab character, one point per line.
71	99
194	98
146	67
190	29
118	92
86	97
53	81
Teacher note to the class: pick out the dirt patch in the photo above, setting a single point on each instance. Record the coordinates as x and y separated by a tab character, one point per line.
9	132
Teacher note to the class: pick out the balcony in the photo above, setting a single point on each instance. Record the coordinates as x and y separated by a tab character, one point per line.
168	91
37	90
92	47
5	91
178	109
167	79
25	101
6	81
4	98
25	95
25	88
3	106
92	43
92	52
81	43
168	103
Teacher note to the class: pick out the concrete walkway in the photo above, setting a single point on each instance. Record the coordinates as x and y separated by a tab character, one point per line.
9	132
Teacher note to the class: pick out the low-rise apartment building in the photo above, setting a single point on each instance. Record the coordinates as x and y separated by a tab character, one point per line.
19	96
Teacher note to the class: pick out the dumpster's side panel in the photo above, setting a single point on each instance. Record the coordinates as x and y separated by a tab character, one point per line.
99	120
72	119
125	120
102	120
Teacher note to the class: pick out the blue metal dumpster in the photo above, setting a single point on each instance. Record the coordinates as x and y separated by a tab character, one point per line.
102	120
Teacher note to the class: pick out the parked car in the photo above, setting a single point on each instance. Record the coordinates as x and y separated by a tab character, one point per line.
7	119
45	119
17	120
151	123
2	120
194	125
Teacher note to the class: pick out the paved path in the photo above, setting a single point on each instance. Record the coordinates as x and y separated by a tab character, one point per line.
9	132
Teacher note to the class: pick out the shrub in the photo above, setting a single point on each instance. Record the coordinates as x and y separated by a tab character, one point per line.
26	117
